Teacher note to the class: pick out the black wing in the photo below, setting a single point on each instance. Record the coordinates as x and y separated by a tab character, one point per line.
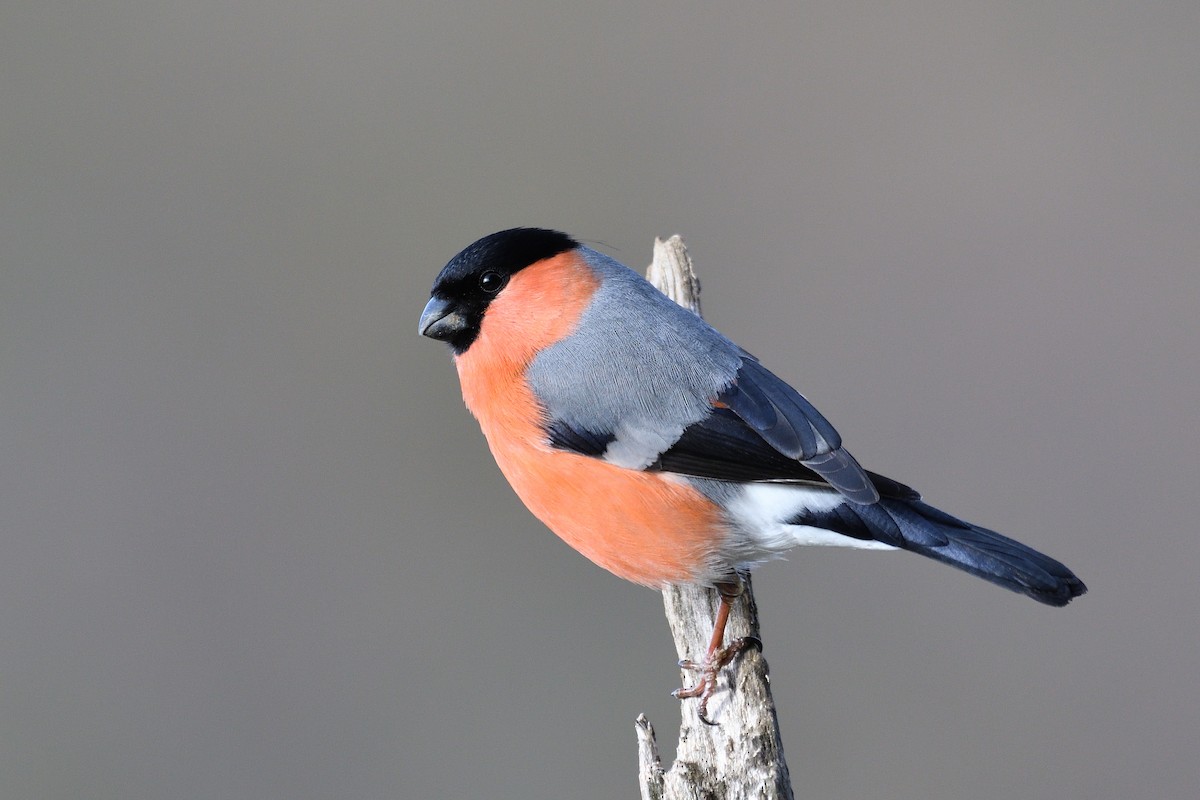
789	423
724	447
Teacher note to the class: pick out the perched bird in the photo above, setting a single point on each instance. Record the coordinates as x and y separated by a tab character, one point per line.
660	449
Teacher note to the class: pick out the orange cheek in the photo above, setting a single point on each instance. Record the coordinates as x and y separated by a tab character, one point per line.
541	305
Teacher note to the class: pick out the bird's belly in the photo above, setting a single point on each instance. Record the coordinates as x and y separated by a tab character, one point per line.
648	528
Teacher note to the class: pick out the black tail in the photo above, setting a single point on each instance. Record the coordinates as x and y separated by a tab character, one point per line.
910	524
926	530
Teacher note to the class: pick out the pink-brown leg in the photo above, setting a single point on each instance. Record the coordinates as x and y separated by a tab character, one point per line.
717	657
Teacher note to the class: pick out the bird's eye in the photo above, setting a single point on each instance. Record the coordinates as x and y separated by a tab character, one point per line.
491	282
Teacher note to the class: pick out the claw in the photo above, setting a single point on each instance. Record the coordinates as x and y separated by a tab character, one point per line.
710	669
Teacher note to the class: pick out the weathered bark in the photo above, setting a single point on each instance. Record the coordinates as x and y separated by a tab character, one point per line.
741	756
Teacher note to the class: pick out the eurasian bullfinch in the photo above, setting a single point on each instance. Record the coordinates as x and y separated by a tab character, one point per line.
660	449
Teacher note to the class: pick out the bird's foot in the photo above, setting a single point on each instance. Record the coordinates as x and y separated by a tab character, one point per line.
709	669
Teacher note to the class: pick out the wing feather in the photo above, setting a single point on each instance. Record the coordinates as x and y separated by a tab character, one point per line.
791	425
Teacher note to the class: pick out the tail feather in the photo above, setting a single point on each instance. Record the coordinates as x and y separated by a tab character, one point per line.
916	526
910	524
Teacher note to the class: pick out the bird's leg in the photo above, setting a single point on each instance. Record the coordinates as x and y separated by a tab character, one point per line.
717	657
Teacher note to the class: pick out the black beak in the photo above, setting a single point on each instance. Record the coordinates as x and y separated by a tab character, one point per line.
441	320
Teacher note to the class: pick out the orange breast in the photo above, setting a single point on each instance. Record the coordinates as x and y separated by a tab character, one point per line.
645	527
640	526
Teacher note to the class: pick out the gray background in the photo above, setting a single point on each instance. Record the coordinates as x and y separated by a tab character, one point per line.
252	546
